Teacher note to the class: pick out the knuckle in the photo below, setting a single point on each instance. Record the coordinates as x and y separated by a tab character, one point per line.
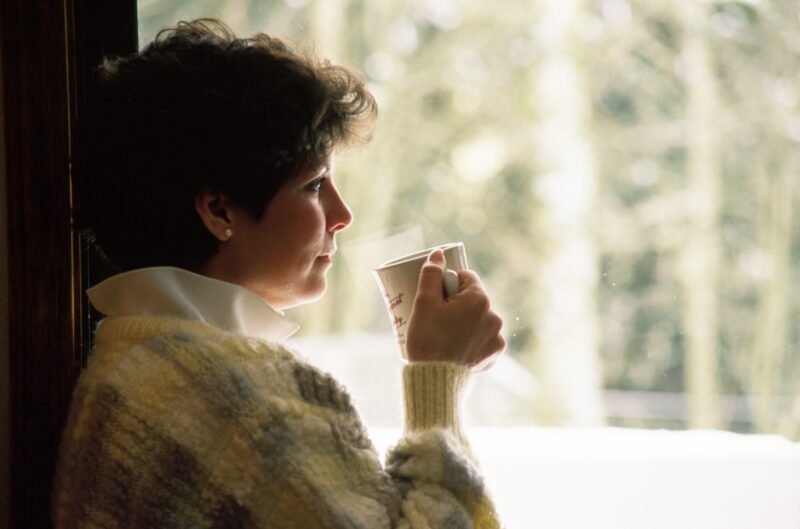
470	274
501	344
496	323
430	268
481	302
468	277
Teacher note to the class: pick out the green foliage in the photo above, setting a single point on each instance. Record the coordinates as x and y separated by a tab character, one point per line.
455	153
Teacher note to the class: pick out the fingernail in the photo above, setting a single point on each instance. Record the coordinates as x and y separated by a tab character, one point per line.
436	256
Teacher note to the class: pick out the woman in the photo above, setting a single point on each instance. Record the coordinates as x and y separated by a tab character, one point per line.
209	163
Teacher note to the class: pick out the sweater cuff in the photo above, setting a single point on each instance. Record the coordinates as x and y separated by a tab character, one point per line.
433	392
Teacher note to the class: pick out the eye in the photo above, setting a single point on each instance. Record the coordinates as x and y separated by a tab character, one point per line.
316	185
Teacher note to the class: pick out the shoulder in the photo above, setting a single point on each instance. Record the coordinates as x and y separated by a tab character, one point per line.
183	355
176	357
197	367
168	339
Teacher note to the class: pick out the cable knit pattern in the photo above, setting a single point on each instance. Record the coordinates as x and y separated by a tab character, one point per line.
178	424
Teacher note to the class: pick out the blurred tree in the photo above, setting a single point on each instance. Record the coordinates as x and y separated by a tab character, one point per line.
700	251
565	348
621	172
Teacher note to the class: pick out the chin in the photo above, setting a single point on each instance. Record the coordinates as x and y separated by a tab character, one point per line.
311	298
318	290
311	294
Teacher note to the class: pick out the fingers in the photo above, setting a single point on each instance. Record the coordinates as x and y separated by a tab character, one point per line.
467	278
466	331
500	345
430	277
472	292
497	346
494	347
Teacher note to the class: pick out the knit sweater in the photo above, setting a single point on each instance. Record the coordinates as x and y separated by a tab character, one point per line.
181	424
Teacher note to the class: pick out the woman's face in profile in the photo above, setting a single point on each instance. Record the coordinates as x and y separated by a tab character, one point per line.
284	257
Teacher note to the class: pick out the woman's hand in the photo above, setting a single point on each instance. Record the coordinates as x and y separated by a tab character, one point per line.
462	328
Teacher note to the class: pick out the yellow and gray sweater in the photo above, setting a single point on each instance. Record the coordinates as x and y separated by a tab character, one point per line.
180	424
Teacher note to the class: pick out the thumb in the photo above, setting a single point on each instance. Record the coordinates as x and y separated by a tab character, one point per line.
430	277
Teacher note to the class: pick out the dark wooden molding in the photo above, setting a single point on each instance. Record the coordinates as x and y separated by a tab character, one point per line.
48	48
42	283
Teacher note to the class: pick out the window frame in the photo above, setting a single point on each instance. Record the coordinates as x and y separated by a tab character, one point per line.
48	52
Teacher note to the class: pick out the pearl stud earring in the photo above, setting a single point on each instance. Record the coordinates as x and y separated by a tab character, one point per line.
228	232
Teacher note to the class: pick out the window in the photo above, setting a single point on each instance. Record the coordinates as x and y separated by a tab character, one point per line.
622	174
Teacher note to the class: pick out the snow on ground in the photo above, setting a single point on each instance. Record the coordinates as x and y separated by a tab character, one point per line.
584	478
622	478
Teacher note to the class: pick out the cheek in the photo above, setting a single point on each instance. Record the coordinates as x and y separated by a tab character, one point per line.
309	228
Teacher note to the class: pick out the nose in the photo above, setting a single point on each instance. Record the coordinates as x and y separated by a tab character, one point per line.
339	215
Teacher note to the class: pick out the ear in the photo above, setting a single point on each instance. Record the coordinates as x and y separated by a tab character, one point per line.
215	211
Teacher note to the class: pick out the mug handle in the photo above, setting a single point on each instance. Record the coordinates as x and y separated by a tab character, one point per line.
451	283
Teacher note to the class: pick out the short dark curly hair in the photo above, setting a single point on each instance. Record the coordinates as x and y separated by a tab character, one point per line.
200	107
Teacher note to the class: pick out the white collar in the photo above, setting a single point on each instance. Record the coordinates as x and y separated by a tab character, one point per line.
171	291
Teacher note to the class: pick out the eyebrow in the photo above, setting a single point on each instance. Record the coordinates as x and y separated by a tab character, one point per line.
313	173
316	169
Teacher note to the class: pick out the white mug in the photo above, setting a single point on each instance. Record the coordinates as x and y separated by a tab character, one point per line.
398	280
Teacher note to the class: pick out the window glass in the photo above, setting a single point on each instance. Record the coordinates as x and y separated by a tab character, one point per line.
622	173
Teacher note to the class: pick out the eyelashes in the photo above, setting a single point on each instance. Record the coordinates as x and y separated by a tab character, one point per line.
316	185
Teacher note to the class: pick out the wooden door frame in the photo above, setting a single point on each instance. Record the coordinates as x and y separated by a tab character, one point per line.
48	50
